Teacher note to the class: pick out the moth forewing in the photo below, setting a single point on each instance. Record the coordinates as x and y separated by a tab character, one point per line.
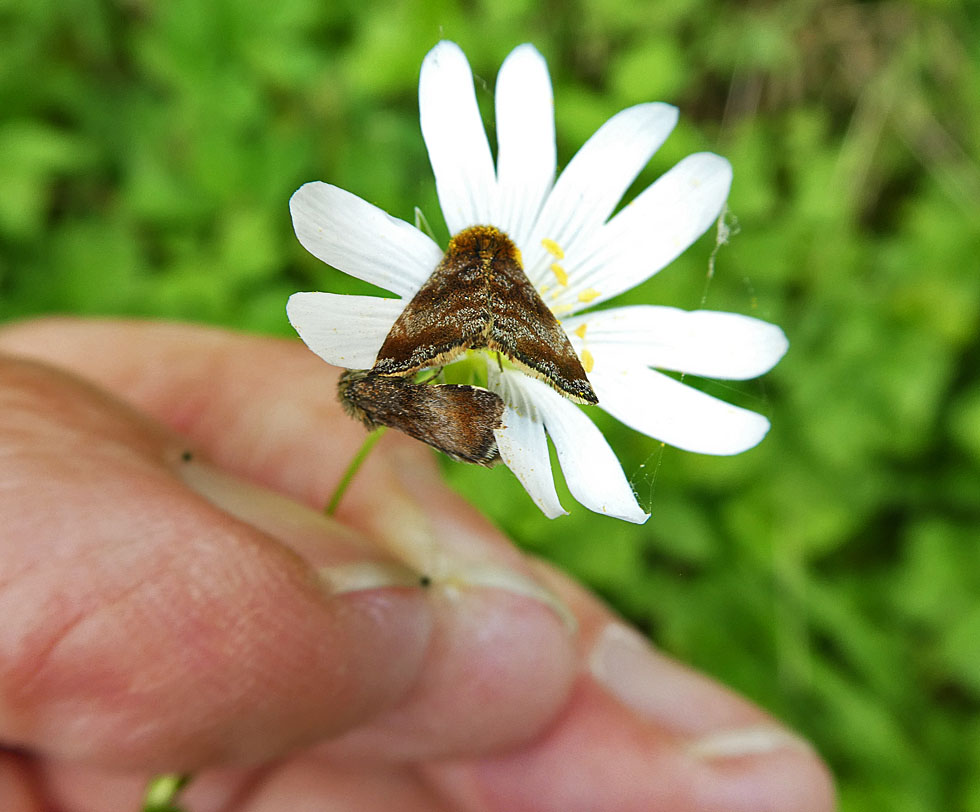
479	297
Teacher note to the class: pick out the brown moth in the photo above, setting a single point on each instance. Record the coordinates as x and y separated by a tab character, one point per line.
479	297
455	419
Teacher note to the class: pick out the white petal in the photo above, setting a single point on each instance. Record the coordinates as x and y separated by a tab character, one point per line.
700	342
346	331
592	472
651	231
455	138
596	179
670	411
362	240
525	141
522	443
524	449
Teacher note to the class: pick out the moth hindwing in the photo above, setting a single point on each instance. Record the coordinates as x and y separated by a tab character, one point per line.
455	419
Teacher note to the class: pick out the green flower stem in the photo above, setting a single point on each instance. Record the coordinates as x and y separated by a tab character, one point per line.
352	469
161	792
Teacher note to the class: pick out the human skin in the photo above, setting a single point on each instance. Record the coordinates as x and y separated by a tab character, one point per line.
174	600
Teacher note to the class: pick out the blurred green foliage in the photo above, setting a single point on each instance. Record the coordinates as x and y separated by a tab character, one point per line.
147	152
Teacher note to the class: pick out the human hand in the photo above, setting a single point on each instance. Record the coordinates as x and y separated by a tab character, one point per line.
170	614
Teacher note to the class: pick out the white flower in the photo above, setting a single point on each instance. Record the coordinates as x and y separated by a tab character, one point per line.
574	254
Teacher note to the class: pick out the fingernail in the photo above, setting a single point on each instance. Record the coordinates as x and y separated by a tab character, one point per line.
716	723
631	671
450	567
746	741
493	577
452	554
363	575
317	538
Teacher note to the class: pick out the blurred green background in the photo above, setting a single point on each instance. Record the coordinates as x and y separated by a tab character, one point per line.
148	150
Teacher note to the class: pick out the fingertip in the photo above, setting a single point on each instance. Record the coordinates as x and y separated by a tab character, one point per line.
498	670
598	755
503	648
788	777
641	732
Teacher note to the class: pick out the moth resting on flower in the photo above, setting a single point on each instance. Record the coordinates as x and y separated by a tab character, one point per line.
574	255
479	297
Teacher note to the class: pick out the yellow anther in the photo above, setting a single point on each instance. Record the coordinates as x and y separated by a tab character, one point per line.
553	248
588	295
562	309
560	274
543	290
588	362
580	331
520	256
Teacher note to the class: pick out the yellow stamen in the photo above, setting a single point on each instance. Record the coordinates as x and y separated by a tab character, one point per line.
588	295
562	309
520	257
553	248
580	331
588	362
543	290
560	273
